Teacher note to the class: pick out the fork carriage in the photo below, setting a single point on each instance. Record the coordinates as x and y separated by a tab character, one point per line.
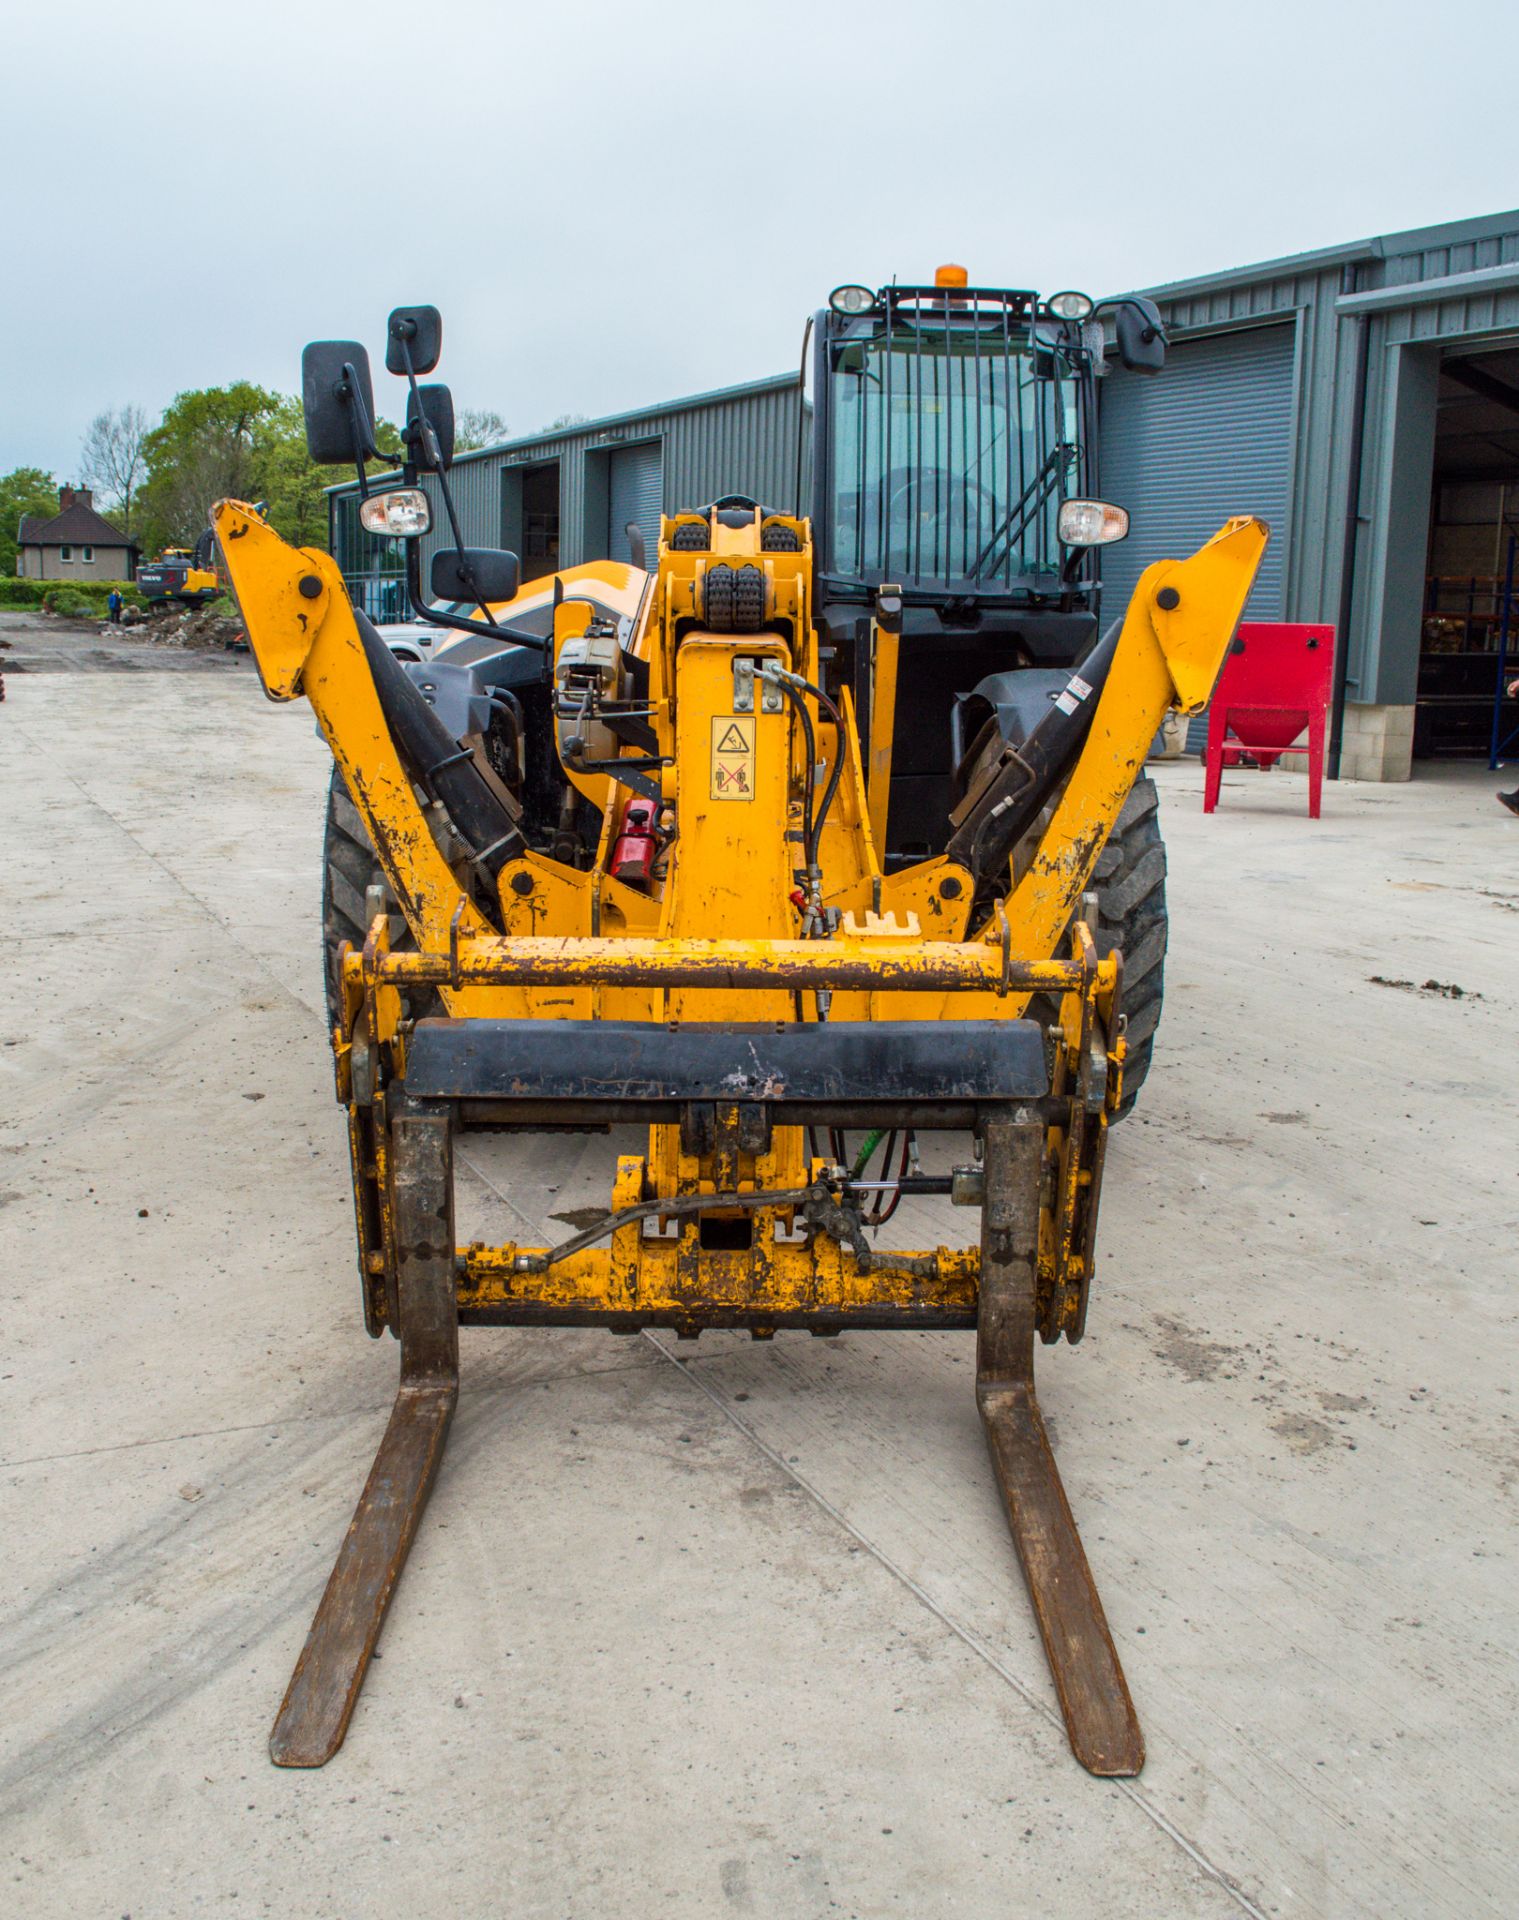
763	978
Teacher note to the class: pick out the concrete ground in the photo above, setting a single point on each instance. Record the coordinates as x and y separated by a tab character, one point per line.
43	643
738	1629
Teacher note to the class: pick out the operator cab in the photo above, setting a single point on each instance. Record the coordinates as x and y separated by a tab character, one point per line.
955	460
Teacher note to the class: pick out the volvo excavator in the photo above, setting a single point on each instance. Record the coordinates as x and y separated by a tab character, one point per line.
800	842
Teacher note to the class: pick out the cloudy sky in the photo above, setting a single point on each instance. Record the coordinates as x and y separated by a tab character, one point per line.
617	204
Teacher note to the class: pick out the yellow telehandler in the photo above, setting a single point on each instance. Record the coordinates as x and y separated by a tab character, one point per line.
799	833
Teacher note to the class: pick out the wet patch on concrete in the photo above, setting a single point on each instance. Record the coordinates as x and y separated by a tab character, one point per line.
581	1217
1304	1434
1189	1353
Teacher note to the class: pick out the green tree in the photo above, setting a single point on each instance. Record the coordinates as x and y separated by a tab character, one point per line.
240	442
286	479
203	450
26	491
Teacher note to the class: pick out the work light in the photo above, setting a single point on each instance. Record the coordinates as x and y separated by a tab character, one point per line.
1091	523
402	514
851	299
1070	306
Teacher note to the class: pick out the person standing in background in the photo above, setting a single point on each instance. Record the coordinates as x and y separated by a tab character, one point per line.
1511	800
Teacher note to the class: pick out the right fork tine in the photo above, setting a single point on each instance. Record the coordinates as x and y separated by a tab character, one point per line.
1100	1720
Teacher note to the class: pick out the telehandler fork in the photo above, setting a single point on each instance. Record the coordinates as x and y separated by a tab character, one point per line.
733	963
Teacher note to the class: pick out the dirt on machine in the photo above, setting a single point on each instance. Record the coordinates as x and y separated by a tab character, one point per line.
827	833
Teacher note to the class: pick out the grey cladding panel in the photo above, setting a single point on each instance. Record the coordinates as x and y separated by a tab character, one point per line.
1209	437
635	492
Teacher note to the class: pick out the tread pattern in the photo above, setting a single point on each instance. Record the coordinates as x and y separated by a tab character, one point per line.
733	599
1131	907
349	868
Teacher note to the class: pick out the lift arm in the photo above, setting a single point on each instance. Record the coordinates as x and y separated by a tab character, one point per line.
1176	633
302	630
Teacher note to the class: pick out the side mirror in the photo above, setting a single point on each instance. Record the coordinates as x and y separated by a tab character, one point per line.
337	398
1141	337
421	330
486	574
430	408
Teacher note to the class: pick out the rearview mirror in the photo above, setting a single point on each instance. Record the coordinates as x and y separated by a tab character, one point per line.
337	399
420	329
1141	337
430	407
485	574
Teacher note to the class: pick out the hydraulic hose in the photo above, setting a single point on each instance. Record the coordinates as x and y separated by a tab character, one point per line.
1015	797
793	684
810	749
437	762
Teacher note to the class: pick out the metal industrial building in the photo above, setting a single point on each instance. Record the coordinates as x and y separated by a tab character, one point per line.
1364	399
568	494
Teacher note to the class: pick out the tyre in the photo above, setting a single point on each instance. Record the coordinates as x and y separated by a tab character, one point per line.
349	868
1131	906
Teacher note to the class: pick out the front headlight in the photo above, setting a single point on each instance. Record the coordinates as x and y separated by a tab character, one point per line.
401	514
1091	523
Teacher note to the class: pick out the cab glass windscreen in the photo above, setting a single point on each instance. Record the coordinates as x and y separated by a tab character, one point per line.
954	440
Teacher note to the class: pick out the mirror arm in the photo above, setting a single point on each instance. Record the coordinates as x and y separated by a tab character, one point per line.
364	447
435	617
434	454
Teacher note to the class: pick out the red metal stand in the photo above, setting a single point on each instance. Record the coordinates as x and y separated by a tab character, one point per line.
1275	683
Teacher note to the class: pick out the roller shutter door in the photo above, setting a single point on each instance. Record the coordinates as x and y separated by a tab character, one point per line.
1207	437
635	492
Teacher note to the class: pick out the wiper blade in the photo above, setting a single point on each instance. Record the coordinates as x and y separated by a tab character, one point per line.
1023	509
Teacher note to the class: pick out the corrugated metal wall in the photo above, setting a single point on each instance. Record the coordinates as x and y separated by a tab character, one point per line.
1212	436
740	441
635	492
1321	292
744	440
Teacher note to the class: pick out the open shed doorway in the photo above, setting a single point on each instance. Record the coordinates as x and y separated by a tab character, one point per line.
1473	561
530	517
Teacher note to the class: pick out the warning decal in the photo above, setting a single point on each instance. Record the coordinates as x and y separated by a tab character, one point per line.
732	758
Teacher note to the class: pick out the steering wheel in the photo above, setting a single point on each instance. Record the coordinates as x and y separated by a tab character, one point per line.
911	487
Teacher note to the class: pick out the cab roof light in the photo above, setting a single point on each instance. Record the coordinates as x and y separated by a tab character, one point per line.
951	276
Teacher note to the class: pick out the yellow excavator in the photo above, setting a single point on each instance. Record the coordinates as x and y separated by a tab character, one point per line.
180	577
693	851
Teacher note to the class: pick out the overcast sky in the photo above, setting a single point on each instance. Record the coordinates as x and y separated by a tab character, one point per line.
620	204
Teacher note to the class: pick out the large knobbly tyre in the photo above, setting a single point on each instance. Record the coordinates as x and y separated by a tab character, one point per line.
350	867
1131	905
